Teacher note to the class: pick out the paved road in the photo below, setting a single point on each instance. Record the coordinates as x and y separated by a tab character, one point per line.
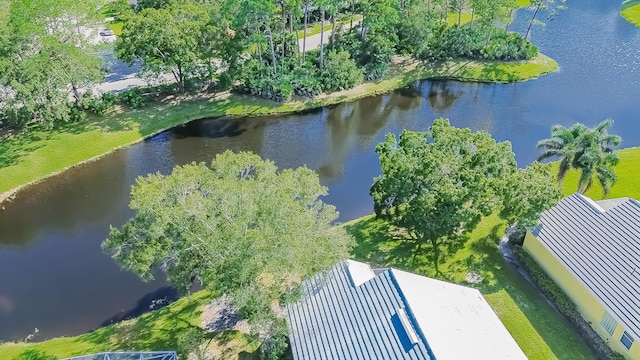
313	41
122	76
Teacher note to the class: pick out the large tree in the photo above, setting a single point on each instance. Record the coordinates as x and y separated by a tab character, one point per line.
170	40
238	227
439	184
589	150
43	40
526	194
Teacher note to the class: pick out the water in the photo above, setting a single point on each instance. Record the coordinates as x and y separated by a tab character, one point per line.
54	276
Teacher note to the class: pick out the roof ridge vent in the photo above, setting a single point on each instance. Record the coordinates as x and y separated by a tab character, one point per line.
406	325
591	203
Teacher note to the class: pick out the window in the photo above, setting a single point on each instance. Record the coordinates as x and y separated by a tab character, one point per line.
608	323
626	340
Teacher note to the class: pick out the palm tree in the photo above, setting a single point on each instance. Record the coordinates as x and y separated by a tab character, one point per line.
563	144
588	150
598	157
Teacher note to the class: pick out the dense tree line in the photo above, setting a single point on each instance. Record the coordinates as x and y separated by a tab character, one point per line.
47	58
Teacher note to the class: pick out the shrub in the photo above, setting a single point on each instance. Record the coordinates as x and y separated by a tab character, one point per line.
304	81
564	305
548	286
109	99
517	236
464	41
133	98
509	46
76	113
469	42
350	42
375	71
376	49
225	82
340	72
258	79
96	105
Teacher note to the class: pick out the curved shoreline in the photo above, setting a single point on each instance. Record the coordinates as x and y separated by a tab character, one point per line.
59	150
630	11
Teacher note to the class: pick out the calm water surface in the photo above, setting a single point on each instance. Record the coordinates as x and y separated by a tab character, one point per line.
54	277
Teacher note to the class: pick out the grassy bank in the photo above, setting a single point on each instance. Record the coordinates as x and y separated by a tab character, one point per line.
537	328
35	155
157	330
630	10
628	171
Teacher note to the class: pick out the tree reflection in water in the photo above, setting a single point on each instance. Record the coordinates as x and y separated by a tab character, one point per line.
440	95
358	123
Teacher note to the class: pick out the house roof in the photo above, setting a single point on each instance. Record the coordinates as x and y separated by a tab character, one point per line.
599	243
352	312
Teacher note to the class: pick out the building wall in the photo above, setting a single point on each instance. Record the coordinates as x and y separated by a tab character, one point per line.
587	304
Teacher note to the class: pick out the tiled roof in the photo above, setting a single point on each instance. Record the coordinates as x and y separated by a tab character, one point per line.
599	243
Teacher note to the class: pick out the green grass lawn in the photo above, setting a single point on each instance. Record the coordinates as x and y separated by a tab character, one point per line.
157	330
116	26
452	18
628	171
630	10
523	3
37	154
537	328
315	28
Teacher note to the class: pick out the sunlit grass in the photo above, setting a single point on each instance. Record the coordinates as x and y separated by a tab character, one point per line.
452	18
502	72
157	330
536	327
315	28
627	170
630	10
523	3
116	27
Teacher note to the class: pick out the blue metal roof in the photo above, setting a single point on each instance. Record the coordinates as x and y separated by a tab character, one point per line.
338	320
599	243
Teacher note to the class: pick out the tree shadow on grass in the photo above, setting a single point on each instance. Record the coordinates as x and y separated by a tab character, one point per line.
155	331
381	245
228	342
14	148
499	275
489	72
